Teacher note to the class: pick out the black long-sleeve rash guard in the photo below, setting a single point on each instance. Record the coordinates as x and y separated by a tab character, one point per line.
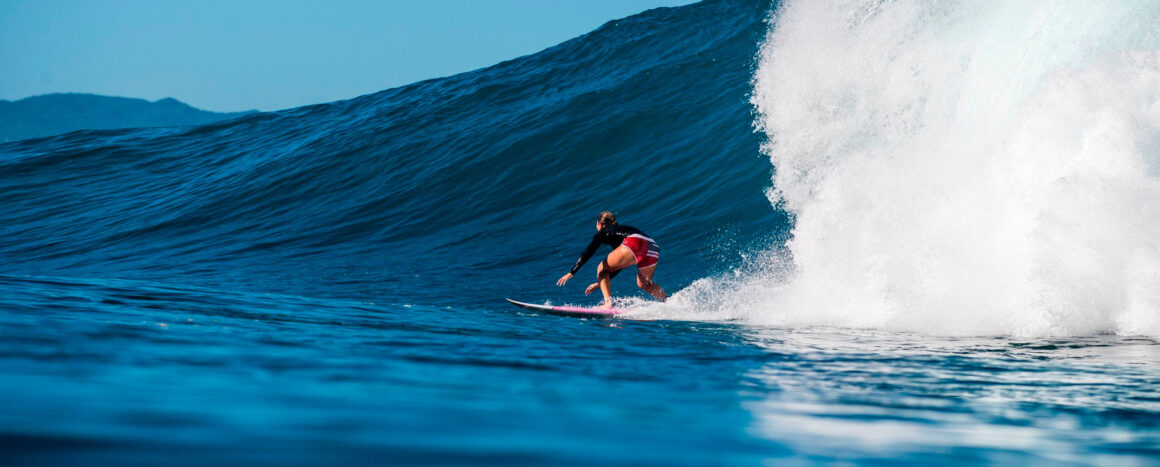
611	235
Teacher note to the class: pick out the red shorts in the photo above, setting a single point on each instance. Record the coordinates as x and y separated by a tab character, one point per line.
645	249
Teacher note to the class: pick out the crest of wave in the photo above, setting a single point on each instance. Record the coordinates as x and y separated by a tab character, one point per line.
960	168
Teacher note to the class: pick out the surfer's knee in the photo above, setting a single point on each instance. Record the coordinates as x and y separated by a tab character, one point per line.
644	283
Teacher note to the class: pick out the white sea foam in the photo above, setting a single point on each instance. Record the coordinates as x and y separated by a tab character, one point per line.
982	168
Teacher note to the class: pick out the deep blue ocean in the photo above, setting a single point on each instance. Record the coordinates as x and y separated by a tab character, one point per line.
893	232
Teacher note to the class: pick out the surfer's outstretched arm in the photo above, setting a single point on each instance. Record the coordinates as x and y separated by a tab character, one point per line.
588	252
564	279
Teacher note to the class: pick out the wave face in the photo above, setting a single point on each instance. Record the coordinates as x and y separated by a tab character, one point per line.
965	167
449	191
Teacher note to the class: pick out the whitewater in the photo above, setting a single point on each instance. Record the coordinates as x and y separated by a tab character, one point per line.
895	232
978	168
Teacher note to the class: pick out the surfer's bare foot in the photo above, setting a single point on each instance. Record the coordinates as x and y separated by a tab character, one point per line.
592	288
607	305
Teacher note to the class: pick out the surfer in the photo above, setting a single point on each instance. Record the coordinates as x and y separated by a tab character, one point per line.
629	246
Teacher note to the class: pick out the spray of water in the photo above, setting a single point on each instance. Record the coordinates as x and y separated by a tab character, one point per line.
976	167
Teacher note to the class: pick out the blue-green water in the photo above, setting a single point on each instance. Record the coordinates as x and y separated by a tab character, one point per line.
133	373
325	285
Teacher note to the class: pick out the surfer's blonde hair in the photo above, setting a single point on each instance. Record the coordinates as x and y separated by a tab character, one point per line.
606	218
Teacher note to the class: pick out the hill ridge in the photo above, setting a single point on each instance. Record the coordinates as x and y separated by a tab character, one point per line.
59	113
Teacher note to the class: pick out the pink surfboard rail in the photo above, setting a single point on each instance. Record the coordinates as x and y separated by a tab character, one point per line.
574	311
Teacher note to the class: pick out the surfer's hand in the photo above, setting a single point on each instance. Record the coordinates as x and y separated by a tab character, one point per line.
564	279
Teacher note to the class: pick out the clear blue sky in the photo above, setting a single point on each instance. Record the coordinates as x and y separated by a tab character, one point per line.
270	54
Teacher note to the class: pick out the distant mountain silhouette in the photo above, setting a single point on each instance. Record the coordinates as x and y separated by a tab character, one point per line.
53	114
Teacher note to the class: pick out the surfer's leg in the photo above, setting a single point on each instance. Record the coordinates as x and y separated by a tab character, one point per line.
596	285
620	258
644	280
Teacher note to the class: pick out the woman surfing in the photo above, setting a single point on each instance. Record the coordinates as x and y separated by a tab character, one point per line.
629	246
